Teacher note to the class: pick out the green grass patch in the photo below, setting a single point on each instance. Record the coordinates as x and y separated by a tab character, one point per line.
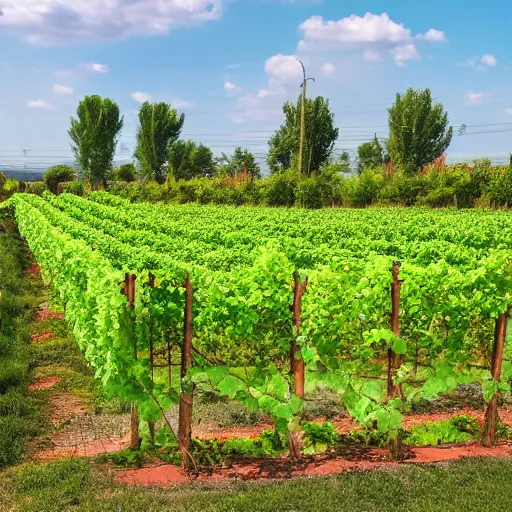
474	485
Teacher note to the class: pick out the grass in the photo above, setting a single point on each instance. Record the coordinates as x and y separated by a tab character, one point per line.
469	485
21	416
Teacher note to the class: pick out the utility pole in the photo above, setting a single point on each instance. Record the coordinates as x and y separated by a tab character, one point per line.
303	118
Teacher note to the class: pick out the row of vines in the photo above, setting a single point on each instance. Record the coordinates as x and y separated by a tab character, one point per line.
383	307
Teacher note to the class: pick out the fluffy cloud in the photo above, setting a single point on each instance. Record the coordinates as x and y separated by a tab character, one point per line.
63	21
327	69
508	111
284	68
141	97
488	60
39	104
434	36
62	89
94	67
480	63
475	98
371	32
402	54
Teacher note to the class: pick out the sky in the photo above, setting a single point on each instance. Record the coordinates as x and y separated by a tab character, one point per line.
229	65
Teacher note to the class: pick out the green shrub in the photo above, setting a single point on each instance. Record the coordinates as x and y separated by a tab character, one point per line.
37	188
76	188
280	188
125	172
318	438
499	190
440	197
58	174
368	187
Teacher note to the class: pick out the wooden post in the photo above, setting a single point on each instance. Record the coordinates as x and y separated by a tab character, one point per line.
395	360
151	284
129	291
297	364
297	367
491	413
186	397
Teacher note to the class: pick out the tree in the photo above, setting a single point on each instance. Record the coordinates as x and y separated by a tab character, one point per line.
58	174
94	134
244	161
319	140
371	154
418	130
181	161
203	160
125	172
160	126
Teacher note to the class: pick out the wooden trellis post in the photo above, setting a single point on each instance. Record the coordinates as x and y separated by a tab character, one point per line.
491	413
129	291
395	360
297	366
186	397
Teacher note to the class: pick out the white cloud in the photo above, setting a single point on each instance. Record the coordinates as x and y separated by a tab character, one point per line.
475	98
141	97
263	93
63	21
39	104
371	28
489	60
508	111
327	69
62	89
434	36
283	68
371	55
234	66
480	63
231	87
94	67
402	54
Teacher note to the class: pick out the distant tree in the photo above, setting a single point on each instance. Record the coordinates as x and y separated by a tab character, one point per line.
94	134
320	137
125	172
244	160
203	160
370	154
181	159
338	165
58	174
160	126
418	130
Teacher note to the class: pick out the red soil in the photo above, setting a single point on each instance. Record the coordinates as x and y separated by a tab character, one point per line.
167	475
85	449
46	383
45	315
43	336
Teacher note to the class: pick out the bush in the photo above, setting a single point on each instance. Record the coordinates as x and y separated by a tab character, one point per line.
499	190
319	190
58	174
280	188
368	187
125	172
37	188
76	188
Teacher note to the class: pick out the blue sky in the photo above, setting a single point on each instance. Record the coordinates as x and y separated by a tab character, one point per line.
230	65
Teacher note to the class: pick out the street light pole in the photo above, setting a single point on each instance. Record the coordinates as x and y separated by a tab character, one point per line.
303	118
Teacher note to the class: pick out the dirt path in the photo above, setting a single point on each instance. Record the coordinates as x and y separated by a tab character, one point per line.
167	475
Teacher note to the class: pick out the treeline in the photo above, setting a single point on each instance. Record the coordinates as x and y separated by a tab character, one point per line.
439	185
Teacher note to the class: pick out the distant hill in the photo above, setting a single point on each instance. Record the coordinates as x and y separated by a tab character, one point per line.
24	175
